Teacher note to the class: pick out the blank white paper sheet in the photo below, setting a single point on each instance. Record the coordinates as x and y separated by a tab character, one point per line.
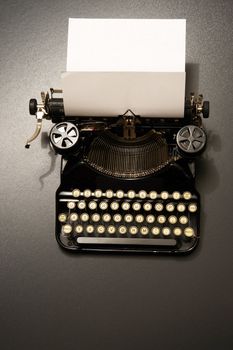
119	64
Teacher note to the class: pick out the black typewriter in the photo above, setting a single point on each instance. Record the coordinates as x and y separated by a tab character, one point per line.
127	183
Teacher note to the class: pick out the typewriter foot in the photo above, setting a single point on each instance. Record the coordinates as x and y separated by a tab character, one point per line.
191	140
64	137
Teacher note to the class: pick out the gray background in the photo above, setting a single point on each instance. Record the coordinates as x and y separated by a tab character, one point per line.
54	300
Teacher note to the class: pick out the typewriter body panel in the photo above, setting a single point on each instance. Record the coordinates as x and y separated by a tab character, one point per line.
127	183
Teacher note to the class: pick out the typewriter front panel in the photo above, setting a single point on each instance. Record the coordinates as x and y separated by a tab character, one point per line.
96	212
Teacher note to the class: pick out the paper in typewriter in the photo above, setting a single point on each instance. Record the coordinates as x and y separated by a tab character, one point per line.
119	64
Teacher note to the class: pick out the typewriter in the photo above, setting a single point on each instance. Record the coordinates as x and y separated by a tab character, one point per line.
127	182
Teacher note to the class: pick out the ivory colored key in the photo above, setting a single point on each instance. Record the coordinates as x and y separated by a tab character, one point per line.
120	194
95	217
62	217
139	218
147	206
142	194
84	217
131	194
87	193
73	217
106	217
117	218
81	205
176	195
144	230
161	219
189	232
181	207
187	195
172	219
128	218
158	206
90	229
192	207
122	230
76	193
100	229
111	229
114	205
103	205
66	229
166	231
164	195
153	194
177	231
98	193
170	207
71	205
155	231
136	206
150	219
109	193
133	230
92	205
183	220
125	206
79	229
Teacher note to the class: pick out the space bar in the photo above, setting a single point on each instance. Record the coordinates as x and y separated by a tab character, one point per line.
127	241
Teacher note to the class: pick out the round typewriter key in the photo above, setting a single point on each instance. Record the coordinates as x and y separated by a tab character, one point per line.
98	193
150	219
81	205
131	194
147	206
73	217
87	193
189	232
76	193
71	205
90	229
120	194
122	229
117	217
111	229
92	205
187	195
166	231
144	230
125	206
84	217
133	230
177	231
155	231
153	194
66	229
62	217
176	195
95	217
109	193
183	220
103	205
161	219
136	206
128	218
164	195
79	229
100	229
142	194
170	207
106	217
192	208
114	205
181	207
139	218
158	206
172	219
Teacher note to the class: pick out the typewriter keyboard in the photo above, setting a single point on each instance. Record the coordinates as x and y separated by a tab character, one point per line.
128	220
